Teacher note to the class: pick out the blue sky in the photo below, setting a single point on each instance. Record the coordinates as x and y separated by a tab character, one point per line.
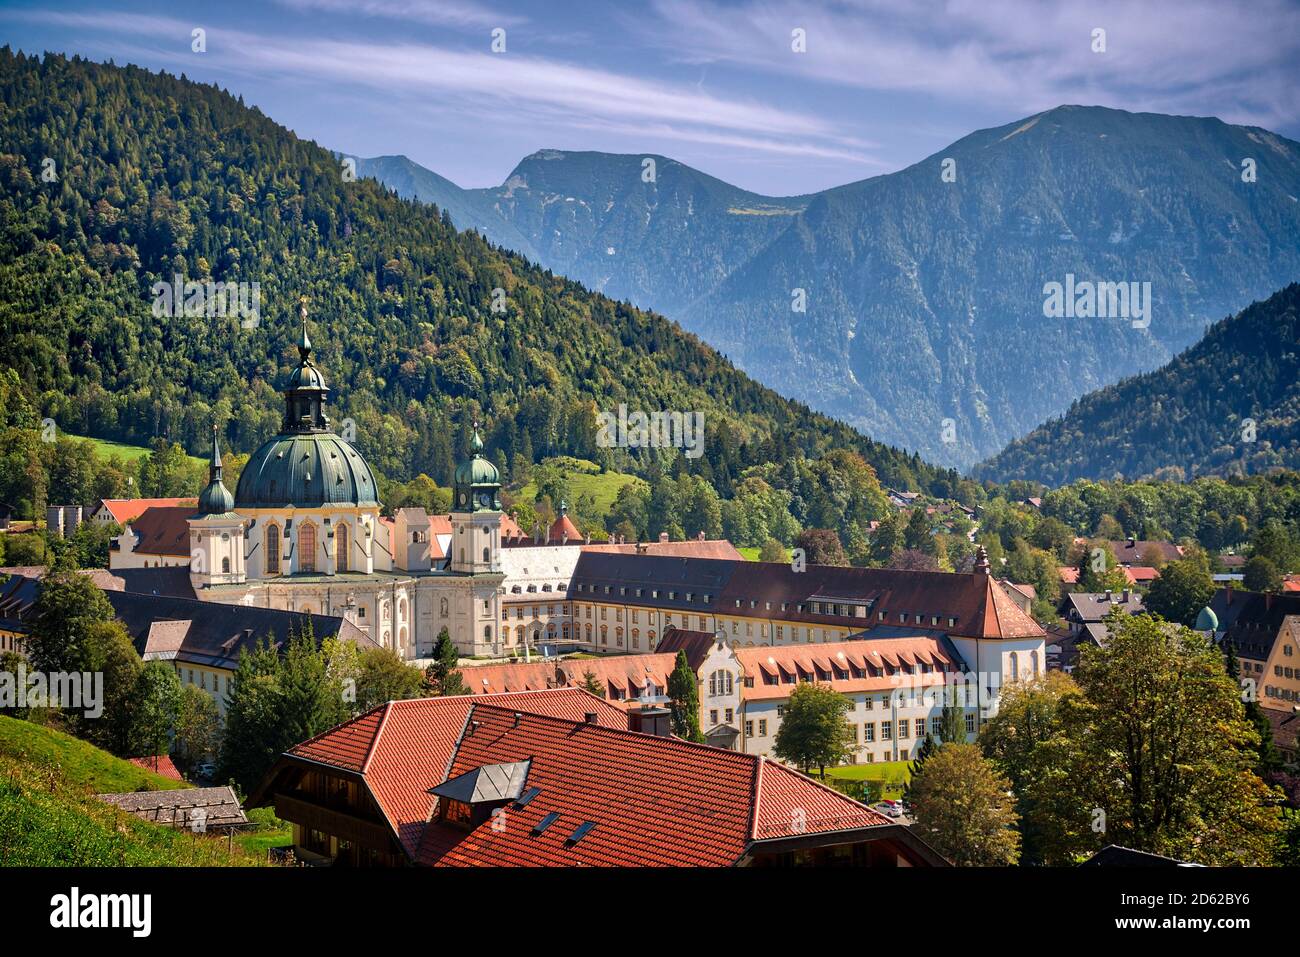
713	83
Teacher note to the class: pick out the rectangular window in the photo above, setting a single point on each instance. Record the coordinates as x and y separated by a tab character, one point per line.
902	728
886	731
869	732
970	724
762	727
713	716
749	729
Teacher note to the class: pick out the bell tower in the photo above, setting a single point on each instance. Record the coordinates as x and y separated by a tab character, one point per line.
216	532
476	515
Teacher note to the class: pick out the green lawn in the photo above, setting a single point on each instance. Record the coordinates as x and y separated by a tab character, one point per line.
584	479
128	453
750	552
268	831
81	763
893	774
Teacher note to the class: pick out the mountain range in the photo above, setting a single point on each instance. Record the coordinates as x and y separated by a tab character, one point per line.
1228	405
922	291
159	180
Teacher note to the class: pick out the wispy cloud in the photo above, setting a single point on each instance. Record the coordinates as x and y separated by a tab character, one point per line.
454	13
576	95
1195	56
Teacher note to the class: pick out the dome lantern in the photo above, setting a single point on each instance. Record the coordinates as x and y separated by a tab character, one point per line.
477	483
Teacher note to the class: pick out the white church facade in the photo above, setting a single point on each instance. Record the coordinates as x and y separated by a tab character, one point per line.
303	532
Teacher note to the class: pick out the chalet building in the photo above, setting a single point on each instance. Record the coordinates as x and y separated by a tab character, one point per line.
551	779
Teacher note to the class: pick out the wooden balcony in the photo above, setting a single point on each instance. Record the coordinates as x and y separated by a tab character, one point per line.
346	827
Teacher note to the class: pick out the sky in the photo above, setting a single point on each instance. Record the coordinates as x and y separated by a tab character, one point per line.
717	84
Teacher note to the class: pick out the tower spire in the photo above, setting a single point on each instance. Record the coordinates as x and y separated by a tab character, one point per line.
304	343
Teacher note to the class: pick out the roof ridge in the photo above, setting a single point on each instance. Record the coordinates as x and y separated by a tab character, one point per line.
671	739
374	742
337	727
757	801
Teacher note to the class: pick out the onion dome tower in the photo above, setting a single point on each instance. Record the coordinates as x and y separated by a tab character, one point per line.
306	465
216	531
476	514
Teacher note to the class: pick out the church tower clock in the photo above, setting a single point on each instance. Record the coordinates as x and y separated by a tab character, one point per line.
476	515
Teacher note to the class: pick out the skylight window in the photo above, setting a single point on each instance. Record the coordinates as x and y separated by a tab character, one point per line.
546	822
581	831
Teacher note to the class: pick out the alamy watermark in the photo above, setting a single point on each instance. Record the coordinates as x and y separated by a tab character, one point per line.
67	690
651	430
1100	300
190	299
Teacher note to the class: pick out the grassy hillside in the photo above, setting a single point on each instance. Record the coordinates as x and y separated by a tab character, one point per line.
585	478
80	762
105	449
49	816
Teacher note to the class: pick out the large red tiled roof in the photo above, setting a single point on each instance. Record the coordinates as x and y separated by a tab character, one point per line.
621	675
654	801
126	510
402	748
873	658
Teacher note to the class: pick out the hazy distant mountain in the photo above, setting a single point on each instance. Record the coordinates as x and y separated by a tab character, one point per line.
1194	413
924	321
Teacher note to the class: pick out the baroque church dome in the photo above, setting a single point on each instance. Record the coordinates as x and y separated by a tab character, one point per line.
306	465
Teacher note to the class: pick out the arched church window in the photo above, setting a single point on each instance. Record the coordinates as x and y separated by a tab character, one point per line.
273	549
486	554
341	542
1015	666
225	566
1033	664
307	548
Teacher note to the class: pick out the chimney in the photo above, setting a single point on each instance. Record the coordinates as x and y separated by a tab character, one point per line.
1124	597
1228	593
1109	595
518	717
981	561
663	536
590	717
1132	541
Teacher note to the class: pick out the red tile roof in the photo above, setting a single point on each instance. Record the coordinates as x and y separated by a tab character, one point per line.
563	530
655	802
1138	574
623	676
402	748
164	530
126	510
158	764
819	661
